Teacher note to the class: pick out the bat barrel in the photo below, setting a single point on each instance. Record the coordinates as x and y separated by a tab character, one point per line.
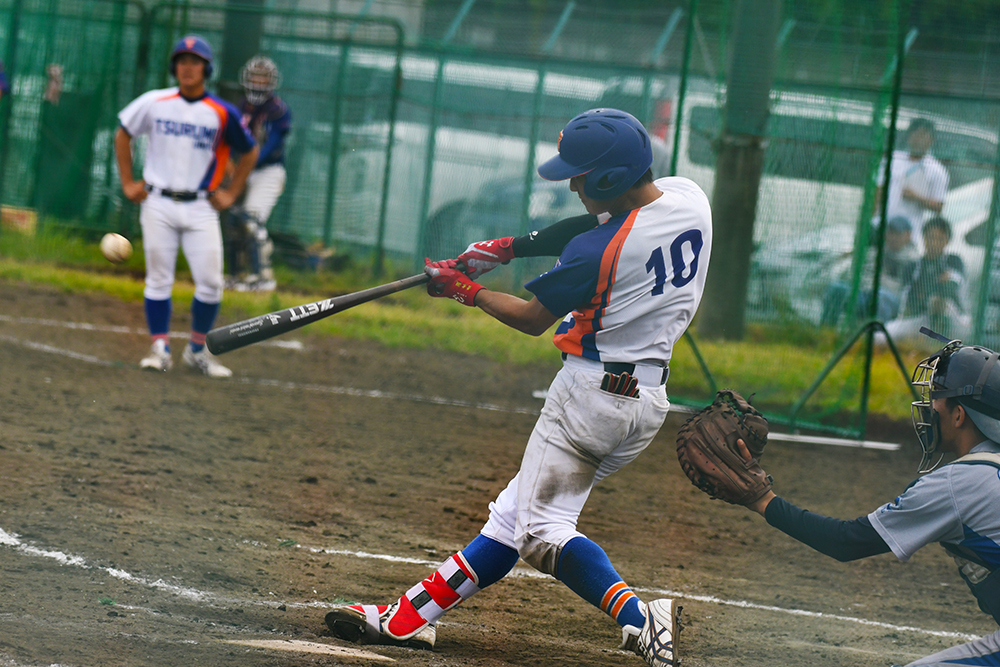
256	329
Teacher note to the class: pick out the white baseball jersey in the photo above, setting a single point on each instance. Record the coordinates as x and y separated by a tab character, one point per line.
630	287
926	176
189	140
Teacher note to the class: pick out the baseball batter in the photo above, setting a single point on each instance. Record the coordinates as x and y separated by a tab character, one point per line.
625	290
270	121
955	505
191	135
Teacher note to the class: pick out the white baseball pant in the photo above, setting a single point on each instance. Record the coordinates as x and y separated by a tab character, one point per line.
193	226
263	188
583	435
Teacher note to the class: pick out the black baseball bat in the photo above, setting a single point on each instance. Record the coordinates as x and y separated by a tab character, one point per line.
256	329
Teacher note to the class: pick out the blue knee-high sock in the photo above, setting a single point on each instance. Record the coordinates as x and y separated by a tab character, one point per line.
202	317
585	568
489	559
158	318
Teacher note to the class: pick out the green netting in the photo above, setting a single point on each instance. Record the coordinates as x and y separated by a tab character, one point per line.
55	154
414	141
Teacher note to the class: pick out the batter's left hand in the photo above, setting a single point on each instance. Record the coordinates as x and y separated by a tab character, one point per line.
448	281
221	199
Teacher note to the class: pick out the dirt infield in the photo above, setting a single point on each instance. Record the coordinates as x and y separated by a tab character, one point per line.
170	519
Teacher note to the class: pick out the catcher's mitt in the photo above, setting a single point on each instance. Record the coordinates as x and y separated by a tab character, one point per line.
706	448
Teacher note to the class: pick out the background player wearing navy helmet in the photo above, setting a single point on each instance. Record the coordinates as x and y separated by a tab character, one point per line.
249	247
191	134
626	289
955	505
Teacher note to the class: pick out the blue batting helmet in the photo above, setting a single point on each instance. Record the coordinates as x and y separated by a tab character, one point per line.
192	44
610	146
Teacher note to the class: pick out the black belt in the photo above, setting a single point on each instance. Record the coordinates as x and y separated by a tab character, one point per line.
179	195
176	195
617	368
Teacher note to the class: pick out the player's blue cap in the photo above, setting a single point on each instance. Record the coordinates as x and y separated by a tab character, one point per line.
194	44
608	145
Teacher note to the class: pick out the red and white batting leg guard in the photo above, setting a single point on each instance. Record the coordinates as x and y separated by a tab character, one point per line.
426	602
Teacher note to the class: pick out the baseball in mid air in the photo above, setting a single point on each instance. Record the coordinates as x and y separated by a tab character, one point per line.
116	248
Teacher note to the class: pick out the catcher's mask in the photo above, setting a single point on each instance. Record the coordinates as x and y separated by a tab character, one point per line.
260	78
970	374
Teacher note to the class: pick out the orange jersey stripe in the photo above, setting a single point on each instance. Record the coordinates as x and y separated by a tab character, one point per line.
221	147
571	342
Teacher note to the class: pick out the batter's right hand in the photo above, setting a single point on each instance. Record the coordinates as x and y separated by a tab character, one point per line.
485	256
135	191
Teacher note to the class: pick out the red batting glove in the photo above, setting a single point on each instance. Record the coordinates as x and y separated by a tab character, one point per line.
449	282
485	256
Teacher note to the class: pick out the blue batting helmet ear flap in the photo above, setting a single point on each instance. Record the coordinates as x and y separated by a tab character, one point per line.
196	45
608	145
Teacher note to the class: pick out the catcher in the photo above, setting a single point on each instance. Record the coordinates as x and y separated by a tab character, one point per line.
955	505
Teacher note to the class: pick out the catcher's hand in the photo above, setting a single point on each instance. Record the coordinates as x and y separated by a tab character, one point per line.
709	455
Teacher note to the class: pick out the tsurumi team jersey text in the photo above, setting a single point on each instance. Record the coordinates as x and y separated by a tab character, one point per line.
189	140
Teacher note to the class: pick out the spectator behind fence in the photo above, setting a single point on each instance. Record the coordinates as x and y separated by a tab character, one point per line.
898	262
934	295
918	181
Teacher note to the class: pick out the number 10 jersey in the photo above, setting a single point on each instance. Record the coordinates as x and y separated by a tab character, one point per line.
630	287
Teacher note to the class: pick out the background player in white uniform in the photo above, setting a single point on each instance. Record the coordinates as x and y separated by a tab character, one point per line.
957	505
626	290
918	182
270	121
191	134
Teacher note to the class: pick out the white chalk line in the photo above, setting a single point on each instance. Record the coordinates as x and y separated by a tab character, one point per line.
349	391
13	541
298	346
284	384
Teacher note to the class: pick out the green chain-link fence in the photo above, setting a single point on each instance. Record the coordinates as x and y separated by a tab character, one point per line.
414	144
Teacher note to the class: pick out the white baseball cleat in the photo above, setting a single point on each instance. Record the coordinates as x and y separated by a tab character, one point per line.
363	624
254	284
158	358
204	361
656	643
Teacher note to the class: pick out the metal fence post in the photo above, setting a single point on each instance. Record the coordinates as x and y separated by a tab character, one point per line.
7	103
397	86
646	113
682	86
331	179
989	252
438	99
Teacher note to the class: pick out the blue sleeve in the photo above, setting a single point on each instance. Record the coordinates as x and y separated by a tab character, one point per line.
235	134
572	282
843	540
277	130
4	86
283	123
273	143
